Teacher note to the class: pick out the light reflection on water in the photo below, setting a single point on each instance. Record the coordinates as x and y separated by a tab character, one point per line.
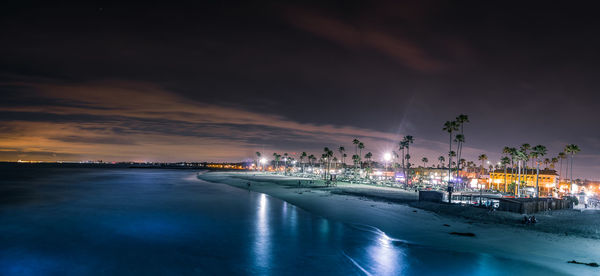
261	245
81	221
386	256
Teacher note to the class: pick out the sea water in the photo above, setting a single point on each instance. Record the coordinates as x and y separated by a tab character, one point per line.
98	221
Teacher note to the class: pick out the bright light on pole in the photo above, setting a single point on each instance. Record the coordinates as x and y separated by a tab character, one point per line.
263	161
387	156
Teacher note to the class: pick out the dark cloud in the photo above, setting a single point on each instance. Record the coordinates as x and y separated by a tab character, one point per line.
237	77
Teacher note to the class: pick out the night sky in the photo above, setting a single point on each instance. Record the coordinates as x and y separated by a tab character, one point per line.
218	81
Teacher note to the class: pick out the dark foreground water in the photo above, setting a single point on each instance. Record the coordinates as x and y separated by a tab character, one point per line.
166	222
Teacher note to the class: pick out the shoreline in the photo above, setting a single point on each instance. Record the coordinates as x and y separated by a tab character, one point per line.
400	215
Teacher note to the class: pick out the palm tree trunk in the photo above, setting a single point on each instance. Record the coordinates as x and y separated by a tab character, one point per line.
458	168
537	181
360	156
571	184
404	168
560	171
505	184
567	173
355	165
459	157
328	166
408	164
450	160
514	175
532	164
519	180
459	153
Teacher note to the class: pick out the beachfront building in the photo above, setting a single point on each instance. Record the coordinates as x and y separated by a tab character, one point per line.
429	176
548	180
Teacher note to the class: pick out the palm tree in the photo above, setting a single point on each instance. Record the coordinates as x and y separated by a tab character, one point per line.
572	149
276	157
302	156
341	150
534	156
408	139
553	162
525	149
482	158
258	155
520	157
312	159
450	126
425	161
505	161
368	158
462	162
355	159
442	159
292	161
355	142
511	152
285	162
323	167
460	122
460	138
402	146
561	155
327	154
539	152
546	163
361	146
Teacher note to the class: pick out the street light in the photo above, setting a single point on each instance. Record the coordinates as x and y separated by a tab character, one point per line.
386	157
263	161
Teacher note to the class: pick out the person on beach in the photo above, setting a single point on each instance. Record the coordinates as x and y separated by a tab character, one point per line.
248	185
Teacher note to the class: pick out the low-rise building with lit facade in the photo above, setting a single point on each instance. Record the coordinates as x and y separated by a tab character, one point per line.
548	180
432	176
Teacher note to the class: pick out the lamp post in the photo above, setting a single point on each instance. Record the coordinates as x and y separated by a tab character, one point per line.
263	161
519	180
481	187
294	165
386	158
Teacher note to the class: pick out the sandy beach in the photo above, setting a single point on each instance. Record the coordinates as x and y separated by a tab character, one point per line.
398	214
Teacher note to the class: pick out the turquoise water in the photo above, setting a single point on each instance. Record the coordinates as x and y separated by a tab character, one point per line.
166	222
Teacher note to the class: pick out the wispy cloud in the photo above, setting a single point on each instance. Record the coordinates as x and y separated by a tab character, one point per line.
140	121
400	47
120	121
